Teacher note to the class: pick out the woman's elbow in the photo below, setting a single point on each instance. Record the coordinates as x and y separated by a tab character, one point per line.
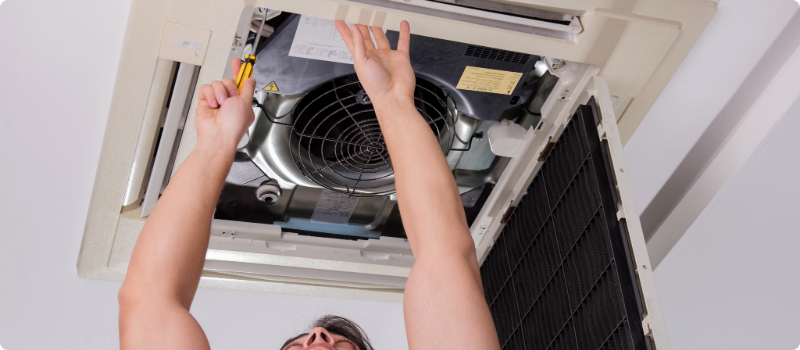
127	295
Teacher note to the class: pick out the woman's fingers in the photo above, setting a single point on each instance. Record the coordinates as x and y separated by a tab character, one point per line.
230	85
351	36
380	38
344	31
405	37
207	96
367	38
359	51
215	94
219	91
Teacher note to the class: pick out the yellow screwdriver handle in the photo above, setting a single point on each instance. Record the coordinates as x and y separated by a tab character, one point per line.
245	71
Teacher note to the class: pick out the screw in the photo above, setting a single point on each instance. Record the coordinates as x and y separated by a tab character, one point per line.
557	63
363	98
268	193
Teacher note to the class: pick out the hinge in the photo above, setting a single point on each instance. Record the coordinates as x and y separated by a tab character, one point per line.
510	209
620	211
648	330
507	215
601	132
546	150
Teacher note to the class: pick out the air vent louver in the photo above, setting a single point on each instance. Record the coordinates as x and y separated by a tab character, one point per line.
495	54
561	261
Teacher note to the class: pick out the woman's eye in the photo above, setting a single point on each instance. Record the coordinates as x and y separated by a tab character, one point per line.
344	345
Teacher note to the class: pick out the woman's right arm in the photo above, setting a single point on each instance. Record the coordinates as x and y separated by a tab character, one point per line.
444	305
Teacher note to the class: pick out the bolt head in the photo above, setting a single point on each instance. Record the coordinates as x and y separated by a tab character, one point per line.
557	63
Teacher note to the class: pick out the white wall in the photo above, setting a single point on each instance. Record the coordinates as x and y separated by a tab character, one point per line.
58	61
733	280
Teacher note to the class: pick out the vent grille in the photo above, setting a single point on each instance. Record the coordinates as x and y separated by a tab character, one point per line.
337	141
498	55
558	276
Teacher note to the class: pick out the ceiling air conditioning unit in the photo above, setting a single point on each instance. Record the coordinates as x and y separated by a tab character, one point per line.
531	102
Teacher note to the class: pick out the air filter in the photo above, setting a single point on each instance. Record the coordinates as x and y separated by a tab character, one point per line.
338	143
559	275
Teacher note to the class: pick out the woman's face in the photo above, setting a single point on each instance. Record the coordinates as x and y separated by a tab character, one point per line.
320	339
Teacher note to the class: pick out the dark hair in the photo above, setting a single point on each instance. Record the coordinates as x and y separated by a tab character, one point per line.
340	326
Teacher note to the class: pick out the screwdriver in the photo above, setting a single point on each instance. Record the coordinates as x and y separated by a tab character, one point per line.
246	70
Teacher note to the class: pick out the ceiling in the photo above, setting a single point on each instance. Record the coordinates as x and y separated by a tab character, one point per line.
683	152
731	281
732	272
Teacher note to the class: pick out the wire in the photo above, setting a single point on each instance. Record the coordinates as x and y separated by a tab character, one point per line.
477	135
260	106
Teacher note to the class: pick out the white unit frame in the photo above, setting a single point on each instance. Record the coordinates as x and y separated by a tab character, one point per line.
524	24
622	55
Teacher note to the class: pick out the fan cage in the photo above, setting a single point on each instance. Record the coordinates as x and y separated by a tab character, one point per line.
337	141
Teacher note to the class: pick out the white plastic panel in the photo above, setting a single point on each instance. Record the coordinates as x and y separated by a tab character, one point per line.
578	88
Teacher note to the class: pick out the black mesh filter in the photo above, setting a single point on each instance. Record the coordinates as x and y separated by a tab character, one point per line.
517	341
559	276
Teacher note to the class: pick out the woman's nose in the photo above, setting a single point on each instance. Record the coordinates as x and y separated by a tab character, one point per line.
318	335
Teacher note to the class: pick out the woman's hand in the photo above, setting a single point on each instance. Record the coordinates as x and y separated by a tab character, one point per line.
384	73
223	114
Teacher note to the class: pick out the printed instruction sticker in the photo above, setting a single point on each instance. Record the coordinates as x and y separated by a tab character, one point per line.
334	207
318	39
488	80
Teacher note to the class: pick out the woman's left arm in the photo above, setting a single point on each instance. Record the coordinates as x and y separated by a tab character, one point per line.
168	258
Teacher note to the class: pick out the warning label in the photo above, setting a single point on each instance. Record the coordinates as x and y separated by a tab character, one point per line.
334	208
488	80
271	87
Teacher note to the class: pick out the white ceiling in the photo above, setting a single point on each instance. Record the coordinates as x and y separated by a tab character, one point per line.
698	134
734	42
732	273
732	281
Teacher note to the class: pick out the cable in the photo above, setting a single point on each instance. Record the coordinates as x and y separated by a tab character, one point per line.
260	106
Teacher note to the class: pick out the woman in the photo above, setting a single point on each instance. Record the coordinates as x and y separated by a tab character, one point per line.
443	306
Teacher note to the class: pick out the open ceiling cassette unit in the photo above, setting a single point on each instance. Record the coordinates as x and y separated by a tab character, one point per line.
531	102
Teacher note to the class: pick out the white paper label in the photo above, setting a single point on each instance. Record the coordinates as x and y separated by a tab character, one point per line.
318	39
334	208
190	45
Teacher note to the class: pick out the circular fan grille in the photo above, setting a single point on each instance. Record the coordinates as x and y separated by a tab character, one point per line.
337	142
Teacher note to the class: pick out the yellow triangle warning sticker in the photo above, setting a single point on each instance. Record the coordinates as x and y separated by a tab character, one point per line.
271	87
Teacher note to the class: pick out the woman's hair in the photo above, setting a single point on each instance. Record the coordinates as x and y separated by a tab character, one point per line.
341	326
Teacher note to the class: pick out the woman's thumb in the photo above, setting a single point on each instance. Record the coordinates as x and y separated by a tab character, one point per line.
248	87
